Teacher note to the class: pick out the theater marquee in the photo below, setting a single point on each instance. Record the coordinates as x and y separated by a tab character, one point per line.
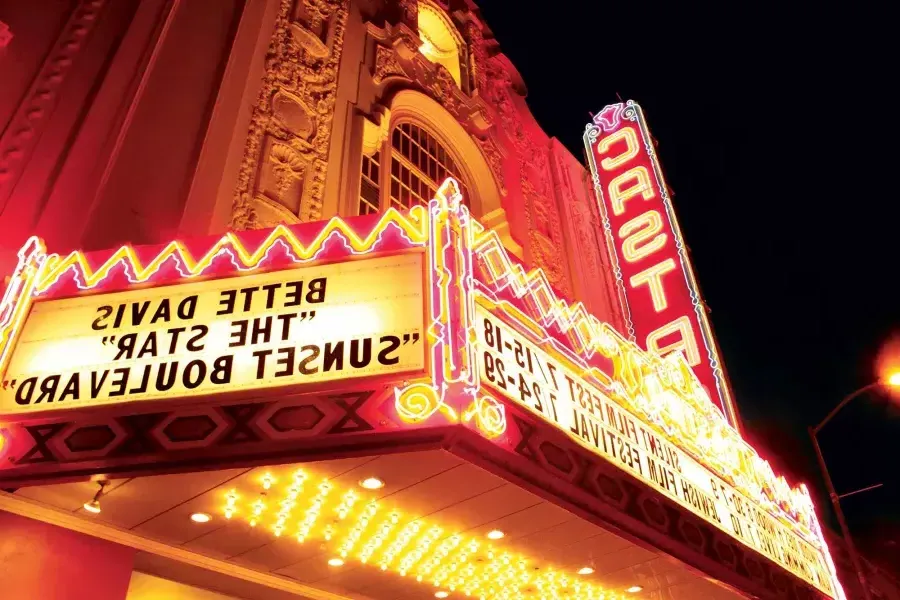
372	334
555	391
291	327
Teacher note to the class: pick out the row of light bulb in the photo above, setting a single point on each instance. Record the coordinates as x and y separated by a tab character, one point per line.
454	562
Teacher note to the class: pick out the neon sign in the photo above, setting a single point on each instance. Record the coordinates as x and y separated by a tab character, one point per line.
467	276
664	311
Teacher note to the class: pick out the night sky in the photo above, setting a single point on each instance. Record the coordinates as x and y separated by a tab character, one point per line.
775	133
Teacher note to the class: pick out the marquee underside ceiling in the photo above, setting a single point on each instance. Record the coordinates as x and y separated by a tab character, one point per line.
434	487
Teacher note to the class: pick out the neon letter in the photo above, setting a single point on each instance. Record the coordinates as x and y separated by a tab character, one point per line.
641	236
631	150
653	278
686	342
642	186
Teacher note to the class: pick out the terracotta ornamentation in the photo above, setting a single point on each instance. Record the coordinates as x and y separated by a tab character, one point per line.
386	65
282	174
494	155
544	224
23	131
477	56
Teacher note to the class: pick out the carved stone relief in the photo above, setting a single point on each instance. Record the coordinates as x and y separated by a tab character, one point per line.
386	65
282	174
545	237
409	13
494	155
544	224
34	111
582	221
477	55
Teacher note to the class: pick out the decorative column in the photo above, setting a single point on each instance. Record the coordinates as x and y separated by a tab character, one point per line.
477	56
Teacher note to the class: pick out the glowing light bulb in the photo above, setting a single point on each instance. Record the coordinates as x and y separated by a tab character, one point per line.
893	379
496	534
634	589
371	483
200	518
585	570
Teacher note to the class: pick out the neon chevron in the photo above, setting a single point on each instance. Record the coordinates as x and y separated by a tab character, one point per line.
705	433
587	333
412	225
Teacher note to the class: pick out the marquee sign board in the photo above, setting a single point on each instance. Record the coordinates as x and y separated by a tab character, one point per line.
664	310
553	389
323	336
303	326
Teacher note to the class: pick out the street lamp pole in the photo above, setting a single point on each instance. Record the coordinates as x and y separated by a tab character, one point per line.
835	499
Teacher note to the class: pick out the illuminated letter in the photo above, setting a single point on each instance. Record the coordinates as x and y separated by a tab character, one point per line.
642	186
631	150
686	343
653	278
641	236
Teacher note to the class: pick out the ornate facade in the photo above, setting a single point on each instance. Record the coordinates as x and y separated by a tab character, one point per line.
304	102
144	121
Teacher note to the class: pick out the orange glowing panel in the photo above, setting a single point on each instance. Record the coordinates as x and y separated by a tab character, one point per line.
662	304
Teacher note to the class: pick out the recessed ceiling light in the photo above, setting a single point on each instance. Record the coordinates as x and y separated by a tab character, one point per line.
94	505
371	483
495	534
634	589
200	518
335	562
585	570
441	594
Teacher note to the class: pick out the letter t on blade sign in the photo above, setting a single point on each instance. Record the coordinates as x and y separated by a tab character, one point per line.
661	302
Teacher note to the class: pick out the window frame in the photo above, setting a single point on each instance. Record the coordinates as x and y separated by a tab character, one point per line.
387	154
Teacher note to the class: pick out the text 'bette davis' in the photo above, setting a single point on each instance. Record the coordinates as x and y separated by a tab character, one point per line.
209	337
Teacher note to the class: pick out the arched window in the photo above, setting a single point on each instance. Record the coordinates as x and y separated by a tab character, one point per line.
417	164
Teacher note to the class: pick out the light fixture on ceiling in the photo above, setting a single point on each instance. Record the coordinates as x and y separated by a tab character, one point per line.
94	505
585	570
371	483
335	562
200	517
495	534
441	594
634	589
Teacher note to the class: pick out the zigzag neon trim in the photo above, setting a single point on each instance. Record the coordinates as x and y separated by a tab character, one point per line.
583	329
414	226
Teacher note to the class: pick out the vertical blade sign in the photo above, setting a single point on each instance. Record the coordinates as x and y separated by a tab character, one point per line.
663	309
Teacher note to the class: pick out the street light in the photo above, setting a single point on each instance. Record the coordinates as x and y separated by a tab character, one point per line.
892	381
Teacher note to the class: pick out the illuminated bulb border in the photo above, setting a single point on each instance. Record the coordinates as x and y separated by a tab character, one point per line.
386	540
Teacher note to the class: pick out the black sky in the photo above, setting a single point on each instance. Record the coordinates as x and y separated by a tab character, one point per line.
775	130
